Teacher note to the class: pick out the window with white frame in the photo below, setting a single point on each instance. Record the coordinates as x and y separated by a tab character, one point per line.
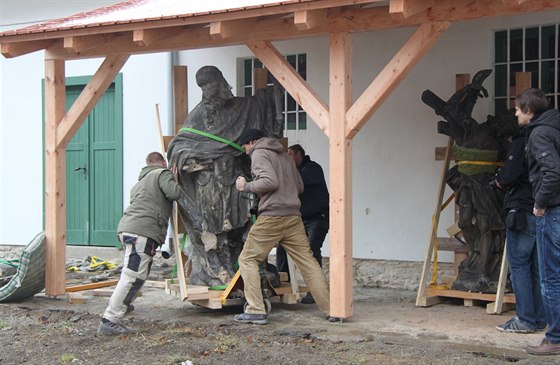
295	118
531	49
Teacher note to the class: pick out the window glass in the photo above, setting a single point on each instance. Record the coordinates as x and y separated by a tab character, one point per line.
500	46
548	44
532	44
516	45
500	80
548	76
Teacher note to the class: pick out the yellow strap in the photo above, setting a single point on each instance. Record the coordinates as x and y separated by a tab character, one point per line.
433	284
487	163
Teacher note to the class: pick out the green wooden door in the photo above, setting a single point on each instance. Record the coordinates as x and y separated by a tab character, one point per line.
94	170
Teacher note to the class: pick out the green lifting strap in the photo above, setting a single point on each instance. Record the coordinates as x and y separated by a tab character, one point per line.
213	136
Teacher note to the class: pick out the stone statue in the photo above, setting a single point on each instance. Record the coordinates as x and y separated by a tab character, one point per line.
479	148
215	214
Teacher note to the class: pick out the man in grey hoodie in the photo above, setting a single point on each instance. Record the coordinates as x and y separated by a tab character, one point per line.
278	184
141	230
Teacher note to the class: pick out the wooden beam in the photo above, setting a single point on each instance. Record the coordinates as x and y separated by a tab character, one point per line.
79	44
352	19
180	97
55	180
294	84
393	73
87	99
340	177
309	19
402	9
10	50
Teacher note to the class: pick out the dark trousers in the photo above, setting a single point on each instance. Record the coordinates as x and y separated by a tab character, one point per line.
316	230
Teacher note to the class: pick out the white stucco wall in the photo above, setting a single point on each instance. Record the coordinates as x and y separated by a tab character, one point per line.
146	81
395	177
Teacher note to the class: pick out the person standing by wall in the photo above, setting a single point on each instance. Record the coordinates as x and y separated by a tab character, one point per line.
543	159
522	255
314	209
277	183
141	230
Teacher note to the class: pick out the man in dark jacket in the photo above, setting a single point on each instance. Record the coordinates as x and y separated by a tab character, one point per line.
141	230
543	158
277	183
314	209
521	239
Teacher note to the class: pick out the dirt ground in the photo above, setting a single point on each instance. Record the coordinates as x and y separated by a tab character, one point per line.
386	328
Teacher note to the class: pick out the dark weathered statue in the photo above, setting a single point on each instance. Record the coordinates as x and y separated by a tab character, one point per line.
479	148
215	214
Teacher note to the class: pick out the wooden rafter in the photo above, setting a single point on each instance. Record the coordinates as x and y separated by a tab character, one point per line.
89	96
392	74
10	50
297	87
402	9
83	43
309	19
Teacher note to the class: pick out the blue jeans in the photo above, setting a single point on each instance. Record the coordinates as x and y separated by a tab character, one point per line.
316	230
523	262
548	241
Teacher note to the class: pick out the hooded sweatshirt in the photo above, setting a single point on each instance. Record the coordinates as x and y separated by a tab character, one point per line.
276	179
543	158
150	204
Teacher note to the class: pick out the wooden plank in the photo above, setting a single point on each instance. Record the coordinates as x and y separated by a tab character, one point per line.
392	74
79	44
260	78
89	286
450	293
89	96
180	97
55	180
293	275
428	301
340	177
294	84
147	37
289	298
212	303
102	292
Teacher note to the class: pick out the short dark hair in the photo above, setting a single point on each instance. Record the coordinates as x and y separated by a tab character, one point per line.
154	158
532	100
297	148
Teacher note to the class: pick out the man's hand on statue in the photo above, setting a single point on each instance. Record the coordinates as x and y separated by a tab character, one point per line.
538	212
240	183
174	171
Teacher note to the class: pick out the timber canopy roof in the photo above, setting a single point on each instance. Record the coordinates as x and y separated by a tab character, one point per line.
147	26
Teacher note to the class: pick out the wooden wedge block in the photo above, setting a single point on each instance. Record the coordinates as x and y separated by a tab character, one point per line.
76	298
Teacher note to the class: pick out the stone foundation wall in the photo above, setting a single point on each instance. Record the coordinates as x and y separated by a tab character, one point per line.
367	273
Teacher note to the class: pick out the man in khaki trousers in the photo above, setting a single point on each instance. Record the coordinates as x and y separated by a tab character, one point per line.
278	184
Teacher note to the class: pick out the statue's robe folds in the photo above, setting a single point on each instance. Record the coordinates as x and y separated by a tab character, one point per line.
215	214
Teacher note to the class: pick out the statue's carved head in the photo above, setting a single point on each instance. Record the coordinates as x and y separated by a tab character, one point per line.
213	84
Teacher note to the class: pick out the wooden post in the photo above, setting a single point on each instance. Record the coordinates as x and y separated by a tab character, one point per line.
55	180
180	97
340	177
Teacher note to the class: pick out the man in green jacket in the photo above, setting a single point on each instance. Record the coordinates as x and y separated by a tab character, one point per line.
278	184
141	230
